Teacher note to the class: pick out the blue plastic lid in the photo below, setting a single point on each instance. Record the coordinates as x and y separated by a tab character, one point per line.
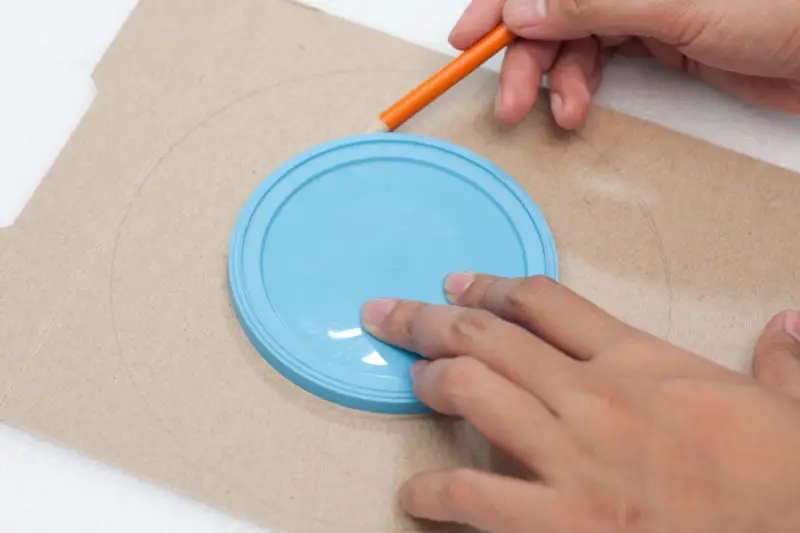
364	217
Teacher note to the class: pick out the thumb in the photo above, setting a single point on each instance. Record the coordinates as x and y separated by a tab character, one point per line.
574	19
777	354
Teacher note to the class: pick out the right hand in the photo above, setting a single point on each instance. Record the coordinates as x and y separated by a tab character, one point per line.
746	48
621	432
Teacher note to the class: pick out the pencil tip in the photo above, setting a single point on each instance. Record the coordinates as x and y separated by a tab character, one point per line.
378	127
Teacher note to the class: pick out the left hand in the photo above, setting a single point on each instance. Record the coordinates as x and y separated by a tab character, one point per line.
621	431
749	50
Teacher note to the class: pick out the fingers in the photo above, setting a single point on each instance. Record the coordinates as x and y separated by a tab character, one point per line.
485	501
447	331
521	78
575	19
573	80
554	313
576	74
480	17
577	327
494	405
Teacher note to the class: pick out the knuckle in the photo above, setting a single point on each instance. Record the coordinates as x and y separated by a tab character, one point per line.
605	394
459	379
518	301
684	23
402	321
521	299
610	399
404	311
470	327
537	285
577	8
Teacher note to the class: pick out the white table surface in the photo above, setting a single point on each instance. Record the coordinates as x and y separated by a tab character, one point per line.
48	49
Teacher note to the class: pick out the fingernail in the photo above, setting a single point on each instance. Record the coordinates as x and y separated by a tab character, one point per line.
376	311
556	103
524	13
791	324
457	284
418	368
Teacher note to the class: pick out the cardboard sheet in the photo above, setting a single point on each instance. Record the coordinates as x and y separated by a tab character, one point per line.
117	334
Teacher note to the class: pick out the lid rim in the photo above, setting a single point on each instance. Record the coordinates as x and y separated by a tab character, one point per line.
314	380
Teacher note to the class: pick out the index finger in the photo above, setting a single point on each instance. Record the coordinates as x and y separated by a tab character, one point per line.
480	17
575	326
551	311
444	331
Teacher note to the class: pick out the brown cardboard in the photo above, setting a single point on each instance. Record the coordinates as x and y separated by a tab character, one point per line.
118	338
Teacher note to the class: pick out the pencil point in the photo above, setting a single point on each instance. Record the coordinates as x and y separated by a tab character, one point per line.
378	127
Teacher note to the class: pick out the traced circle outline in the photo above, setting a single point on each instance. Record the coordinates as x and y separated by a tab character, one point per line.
209	118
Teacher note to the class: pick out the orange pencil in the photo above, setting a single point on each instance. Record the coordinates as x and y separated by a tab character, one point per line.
439	83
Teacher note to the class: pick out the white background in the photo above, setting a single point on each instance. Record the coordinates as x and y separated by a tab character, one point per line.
48	49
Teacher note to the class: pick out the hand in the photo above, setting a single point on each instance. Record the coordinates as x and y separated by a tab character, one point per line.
749	49
621	431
